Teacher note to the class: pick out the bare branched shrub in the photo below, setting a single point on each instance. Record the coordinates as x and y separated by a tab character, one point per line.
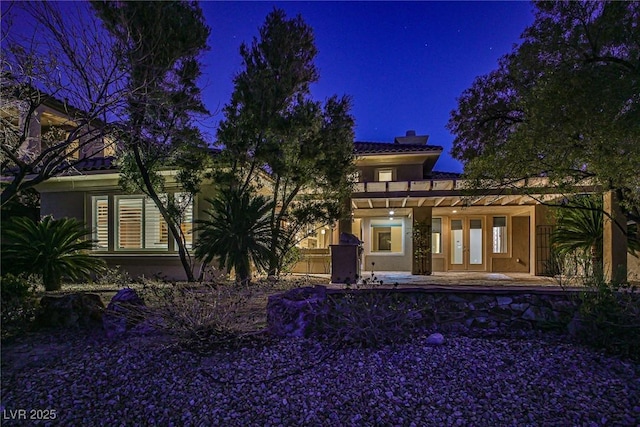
368	316
199	317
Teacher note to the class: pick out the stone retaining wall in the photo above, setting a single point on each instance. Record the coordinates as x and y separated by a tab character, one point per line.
452	310
441	309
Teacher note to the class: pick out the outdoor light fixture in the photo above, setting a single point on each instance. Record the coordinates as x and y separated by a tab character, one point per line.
391	213
323	231
455	211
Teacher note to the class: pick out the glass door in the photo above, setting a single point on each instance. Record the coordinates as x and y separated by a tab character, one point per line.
467	244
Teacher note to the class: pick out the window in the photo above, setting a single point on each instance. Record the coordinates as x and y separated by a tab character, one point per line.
140	224
100	222
387	237
385	175
436	235
499	234
316	237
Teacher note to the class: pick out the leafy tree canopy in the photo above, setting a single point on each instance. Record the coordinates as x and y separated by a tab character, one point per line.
272	125
565	103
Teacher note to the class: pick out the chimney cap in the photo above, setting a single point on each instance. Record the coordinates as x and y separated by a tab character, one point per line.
411	133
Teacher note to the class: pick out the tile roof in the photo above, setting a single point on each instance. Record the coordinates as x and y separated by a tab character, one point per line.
96	163
443	175
390	147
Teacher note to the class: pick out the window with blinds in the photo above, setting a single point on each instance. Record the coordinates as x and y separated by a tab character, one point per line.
138	223
129	214
100	226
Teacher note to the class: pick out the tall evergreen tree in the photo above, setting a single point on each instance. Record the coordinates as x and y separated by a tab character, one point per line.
159	44
273	126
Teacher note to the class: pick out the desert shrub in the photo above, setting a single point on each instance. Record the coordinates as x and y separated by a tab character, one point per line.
610	318
199	317
19	302
368	316
114	276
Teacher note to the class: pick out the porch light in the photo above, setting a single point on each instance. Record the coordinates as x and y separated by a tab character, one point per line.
455	211
391	213
323	231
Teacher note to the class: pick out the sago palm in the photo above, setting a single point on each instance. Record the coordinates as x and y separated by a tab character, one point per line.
50	248
237	232
579	230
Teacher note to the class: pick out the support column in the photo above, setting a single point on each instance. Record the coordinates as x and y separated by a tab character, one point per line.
421	253
614	240
344	224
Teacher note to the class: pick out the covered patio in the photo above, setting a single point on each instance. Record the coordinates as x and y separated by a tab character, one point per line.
453	280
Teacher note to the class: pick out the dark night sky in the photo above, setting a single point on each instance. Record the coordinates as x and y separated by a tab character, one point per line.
403	63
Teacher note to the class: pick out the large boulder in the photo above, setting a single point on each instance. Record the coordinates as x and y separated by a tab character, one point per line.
124	312
76	310
292	313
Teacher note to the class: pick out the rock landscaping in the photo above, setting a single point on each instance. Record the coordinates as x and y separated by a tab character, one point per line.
452	370
532	381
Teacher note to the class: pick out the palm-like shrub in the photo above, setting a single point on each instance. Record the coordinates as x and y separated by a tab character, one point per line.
237	232
579	231
50	248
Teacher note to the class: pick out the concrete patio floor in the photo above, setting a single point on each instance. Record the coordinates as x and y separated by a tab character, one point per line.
456	280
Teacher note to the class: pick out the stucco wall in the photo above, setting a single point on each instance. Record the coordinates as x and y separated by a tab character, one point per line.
67	204
405	172
387	261
161	267
518	262
633	268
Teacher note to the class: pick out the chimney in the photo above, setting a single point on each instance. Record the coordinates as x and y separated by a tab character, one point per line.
411	138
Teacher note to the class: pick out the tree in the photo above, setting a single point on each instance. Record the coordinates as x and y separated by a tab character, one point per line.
61	60
272	126
237	232
158	45
564	104
51	248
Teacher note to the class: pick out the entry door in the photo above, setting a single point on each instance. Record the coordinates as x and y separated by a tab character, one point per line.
467	244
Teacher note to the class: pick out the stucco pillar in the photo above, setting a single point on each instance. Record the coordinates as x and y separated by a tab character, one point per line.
614	240
421	256
344	224
33	143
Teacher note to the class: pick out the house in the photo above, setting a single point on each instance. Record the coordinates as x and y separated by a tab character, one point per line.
400	198
412	218
409	216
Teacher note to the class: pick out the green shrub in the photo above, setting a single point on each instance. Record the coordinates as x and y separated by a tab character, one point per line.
19	303
114	276
50	248
610	319
14	288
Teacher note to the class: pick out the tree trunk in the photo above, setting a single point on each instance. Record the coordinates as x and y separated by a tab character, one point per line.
177	235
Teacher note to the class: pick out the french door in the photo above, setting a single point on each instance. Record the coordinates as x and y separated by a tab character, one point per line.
466	251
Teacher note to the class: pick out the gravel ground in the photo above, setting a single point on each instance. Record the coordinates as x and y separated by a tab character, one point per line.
91	381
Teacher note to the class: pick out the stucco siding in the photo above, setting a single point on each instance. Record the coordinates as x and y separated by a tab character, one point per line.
518	262
62	204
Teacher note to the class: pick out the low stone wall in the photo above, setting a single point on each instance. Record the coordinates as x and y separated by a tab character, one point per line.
444	309
453	310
